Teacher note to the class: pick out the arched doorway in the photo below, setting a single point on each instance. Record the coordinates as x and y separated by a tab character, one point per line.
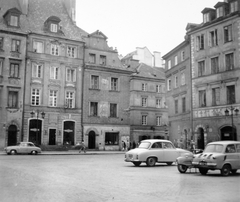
92	140
68	132
12	135
35	131
200	139
228	133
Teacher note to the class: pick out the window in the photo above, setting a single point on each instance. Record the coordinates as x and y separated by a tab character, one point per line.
176	81
16	45
233	6
206	17
1	43
70	99
215	96
52	98
176	60
144	87
213	38
38	47
37	70
103	60
183	78
144	119
182	55
214	65
13	20
71	75
111	138
169	64
114	84
13	99
53	27
229	60
55	49
14	70
71	52
201	68
231	95
93	109
158	121
54	72
94	82
200	42
158	103
202	98
183	104
176	106
158	88
113	110
1	67
219	12
144	102
35	97
92	58
169	84
227	33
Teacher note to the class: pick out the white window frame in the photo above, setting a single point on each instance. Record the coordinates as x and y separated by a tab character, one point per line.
144	120
182	55
36	97
1	67
37	70
114	84
176	60
206	17
158	88
70	99
169	84
233	6
144	102
55	49
71	75
183	79
144	86
176	81
14	20
169	64
219	12
71	51
54	72
53	27
38	46
158	120
158	103
53	95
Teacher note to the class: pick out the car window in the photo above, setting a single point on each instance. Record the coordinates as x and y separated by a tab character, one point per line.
157	145
30	145
230	148
238	148
167	145
215	148
144	145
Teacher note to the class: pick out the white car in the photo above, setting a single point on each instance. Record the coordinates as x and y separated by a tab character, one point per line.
152	151
23	148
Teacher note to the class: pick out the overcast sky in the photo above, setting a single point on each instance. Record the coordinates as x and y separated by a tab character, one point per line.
157	24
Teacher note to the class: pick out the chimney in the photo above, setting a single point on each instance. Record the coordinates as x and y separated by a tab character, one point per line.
71	9
157	59
24	6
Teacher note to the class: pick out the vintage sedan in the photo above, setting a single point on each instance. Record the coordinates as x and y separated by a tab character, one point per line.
221	155
23	148
154	151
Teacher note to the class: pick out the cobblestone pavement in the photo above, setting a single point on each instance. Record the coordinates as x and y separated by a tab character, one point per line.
107	178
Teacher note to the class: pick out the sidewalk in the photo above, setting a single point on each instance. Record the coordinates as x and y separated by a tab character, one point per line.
75	152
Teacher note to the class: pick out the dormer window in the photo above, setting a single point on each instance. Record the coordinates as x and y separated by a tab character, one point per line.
233	6
206	17
52	25
219	12
12	17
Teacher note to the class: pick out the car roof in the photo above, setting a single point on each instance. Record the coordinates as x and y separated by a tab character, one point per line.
27	142
225	142
155	140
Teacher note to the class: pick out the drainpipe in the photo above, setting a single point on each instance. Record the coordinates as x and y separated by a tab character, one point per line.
82	93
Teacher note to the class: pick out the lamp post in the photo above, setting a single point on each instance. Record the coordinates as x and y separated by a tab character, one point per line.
37	113
232	109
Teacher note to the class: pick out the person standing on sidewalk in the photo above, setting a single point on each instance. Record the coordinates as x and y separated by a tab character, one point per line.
82	147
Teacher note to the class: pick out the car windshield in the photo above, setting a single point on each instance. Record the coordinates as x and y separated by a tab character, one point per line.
144	145
217	148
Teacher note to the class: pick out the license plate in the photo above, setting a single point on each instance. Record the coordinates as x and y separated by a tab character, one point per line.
202	163
130	156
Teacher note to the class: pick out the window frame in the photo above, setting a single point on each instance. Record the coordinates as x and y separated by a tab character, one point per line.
11	23
176	106
229	59
228	33
36	70
36	45
200	42
233	6
71	51
201	68
202	98
70	74
169	84
231	94
158	120
94	82
144	120
53	97
144	102
1	67
13	95
55	50
92	58
69	99
93	109
54	72
183	104
113	110
214	65
36	97
1	42
114	84
215	96
14	70
103	60
158	102
16	45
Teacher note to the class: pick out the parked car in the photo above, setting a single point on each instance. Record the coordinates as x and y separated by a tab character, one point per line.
221	155
23	148
152	151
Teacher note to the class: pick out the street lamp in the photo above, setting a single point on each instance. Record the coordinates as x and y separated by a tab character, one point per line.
37	113
232	109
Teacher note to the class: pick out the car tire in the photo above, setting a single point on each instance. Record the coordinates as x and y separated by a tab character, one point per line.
34	152
13	152
169	163
137	163
225	171
203	171
182	168
234	171
151	161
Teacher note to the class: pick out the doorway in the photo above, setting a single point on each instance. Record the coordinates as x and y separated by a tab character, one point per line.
228	133
52	136
35	131
200	140
69	131
12	135
92	140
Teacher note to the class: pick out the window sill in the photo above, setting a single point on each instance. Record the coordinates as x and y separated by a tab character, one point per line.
97	89
116	91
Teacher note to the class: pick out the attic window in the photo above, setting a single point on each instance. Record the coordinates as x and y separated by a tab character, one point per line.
52	25
219	12
12	17
206	17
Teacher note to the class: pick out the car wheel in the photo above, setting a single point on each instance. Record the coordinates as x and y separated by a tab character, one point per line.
225	171
169	163
182	168
13	152
34	152
151	161
137	163
203	171
234	171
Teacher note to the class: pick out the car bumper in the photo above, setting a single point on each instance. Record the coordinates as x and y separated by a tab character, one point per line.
204	164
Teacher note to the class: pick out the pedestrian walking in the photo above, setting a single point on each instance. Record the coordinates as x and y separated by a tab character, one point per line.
82	147
123	146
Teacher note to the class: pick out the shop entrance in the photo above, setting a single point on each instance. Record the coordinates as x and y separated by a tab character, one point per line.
228	133
92	140
200	140
12	135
